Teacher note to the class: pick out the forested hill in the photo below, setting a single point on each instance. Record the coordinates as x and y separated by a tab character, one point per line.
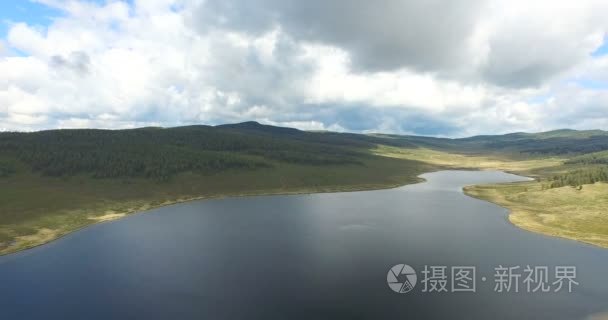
160	153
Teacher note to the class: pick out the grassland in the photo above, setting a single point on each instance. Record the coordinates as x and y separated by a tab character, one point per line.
565	212
37	209
470	161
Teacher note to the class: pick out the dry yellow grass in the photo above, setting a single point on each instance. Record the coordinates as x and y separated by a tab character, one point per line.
599	316
565	212
42	235
460	161
108	216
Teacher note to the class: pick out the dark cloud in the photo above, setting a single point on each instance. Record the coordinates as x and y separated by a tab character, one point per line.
425	35
77	61
457	40
272	80
523	56
532	75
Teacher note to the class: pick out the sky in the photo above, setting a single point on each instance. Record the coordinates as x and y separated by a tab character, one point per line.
449	68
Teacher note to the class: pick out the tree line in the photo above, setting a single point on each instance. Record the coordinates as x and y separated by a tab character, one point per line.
578	178
592	158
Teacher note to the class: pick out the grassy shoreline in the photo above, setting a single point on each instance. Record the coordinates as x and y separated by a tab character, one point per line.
46	235
564	212
47	209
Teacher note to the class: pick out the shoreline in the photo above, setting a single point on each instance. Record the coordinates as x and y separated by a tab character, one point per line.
523	219
54	235
50	235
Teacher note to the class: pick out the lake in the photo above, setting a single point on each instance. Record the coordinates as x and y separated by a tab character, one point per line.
321	256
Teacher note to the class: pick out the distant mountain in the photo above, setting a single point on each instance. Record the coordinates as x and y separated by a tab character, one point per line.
253	126
568	133
557	142
561	133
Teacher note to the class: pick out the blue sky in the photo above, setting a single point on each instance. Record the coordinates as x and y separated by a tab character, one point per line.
602	50
593	84
30	12
24	11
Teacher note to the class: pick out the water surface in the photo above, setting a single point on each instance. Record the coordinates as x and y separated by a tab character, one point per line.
322	256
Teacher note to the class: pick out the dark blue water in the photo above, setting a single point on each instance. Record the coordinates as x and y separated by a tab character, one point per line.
323	256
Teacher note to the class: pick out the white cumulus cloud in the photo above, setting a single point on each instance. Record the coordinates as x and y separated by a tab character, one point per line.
450	68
